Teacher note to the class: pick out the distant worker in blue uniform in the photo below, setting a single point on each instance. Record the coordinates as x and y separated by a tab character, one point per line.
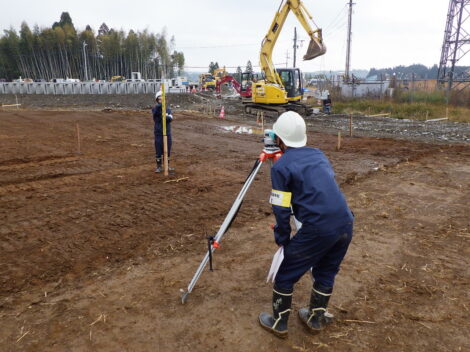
304	185
158	131
327	105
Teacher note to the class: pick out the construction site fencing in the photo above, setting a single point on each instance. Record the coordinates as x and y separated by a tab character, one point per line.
83	88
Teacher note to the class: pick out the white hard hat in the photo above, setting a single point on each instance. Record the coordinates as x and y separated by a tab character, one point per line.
159	94
290	127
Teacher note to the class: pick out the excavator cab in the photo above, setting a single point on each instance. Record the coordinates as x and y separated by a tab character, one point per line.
292	81
246	80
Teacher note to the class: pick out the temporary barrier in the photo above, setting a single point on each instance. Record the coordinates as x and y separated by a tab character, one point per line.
83	88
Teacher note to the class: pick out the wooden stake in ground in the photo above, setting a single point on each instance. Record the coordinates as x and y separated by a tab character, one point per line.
380	115
77	128
17	105
177	180
165	137
350	125
338	146
10	105
262	122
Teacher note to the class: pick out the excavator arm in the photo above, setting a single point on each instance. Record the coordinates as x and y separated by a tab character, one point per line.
226	79
281	89
315	48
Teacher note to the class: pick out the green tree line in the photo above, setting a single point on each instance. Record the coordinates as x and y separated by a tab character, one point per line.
61	51
416	71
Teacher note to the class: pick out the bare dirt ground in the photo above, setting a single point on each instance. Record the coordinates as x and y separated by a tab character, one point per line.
94	248
445	132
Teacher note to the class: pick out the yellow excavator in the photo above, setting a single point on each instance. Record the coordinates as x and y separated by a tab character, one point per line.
281	89
220	73
207	81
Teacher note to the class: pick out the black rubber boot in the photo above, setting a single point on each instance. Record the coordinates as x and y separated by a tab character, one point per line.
316	316
277	323
159	165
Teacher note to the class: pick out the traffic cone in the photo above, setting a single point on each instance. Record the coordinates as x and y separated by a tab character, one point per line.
222	113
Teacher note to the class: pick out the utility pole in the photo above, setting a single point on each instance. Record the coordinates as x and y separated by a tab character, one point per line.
287	58
348	50
295	46
84	58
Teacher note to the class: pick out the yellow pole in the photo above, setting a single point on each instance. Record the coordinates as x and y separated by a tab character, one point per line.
165	137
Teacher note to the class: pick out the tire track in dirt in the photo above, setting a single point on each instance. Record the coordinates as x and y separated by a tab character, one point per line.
15	164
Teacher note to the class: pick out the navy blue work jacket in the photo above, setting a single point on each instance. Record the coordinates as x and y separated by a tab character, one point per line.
157	119
304	178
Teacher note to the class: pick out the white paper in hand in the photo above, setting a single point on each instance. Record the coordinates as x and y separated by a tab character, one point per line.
297	223
277	261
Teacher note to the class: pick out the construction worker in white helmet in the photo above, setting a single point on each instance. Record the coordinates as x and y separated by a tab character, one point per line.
158	131
304	183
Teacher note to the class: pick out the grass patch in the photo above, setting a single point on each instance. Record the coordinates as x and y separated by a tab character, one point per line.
416	110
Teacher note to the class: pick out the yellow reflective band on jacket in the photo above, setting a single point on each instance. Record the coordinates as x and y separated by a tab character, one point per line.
279	198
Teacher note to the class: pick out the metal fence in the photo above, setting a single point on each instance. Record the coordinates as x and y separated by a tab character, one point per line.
83	88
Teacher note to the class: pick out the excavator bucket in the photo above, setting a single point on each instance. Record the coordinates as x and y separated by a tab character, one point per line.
315	49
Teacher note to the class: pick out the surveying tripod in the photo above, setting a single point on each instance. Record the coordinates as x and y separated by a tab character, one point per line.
271	152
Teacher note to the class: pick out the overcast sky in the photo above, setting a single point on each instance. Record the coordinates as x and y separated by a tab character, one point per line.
385	32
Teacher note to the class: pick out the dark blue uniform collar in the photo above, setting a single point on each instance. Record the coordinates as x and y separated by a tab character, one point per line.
290	149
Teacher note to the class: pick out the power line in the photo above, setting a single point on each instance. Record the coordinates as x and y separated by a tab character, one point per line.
336	18
217	46
337	31
278	64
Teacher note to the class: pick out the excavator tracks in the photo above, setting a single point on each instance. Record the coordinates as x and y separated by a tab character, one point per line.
273	111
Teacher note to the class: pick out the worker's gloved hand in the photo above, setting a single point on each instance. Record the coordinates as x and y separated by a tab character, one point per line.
283	244
273	226
281	239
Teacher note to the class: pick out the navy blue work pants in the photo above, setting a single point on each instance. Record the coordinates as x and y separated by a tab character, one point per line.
321	252
159	145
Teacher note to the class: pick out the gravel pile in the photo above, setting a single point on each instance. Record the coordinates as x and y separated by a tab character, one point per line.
438	131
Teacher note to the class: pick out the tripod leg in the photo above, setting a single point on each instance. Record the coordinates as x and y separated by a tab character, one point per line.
224	227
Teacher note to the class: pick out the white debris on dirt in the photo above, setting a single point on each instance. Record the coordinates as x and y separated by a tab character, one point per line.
242	129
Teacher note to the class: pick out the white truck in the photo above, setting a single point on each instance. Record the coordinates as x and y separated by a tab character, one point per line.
135	77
